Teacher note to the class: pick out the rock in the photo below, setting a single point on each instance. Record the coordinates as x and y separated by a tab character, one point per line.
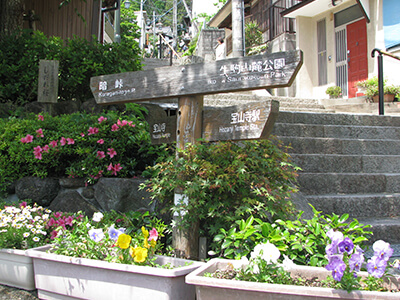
122	195
72	201
302	204
69	183
41	191
88	192
6	109
90	106
65	107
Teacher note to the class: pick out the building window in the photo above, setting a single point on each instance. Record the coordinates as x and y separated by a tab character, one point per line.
322	60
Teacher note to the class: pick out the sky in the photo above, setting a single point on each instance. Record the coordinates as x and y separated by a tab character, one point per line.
204	6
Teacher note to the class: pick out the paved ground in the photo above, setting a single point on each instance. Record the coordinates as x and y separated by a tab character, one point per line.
9	293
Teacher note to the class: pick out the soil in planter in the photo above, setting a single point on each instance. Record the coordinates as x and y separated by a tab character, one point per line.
230	273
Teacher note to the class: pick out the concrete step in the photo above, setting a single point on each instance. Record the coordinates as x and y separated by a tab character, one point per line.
348	183
387	229
337	119
358	205
310	145
337	131
334	163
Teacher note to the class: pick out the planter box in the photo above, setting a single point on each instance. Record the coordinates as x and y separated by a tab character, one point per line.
221	289
64	277
386	98
16	269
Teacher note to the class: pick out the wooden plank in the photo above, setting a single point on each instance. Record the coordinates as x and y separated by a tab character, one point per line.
235	74
252	121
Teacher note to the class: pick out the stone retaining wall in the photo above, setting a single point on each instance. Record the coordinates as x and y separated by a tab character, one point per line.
73	195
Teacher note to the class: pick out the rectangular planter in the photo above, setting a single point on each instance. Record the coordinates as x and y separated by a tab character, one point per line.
221	289
16	269
64	277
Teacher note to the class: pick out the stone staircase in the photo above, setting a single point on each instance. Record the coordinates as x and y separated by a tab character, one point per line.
349	155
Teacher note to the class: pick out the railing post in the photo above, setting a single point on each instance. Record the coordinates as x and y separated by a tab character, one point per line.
380	79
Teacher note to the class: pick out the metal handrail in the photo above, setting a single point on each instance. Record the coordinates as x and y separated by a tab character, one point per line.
380	75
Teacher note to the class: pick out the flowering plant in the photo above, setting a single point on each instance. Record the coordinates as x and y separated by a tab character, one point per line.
23	226
99	238
345	260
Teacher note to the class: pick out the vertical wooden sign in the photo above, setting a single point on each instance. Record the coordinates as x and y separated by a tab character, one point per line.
48	81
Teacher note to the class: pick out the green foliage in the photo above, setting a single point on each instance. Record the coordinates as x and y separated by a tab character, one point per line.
371	86
303	241
254	39
86	151
225	182
21	52
334	91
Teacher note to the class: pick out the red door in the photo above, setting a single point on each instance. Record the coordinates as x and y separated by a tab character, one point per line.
356	54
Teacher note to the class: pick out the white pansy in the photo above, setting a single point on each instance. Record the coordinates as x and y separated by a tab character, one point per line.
97	216
287	263
238	264
268	252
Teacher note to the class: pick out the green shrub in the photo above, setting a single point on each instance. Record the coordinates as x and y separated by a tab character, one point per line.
21	52
303	241
334	91
225	182
76	145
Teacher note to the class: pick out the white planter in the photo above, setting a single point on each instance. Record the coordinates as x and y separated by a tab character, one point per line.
222	289
64	277
16	269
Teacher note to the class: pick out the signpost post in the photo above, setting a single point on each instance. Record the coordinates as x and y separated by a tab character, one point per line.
190	83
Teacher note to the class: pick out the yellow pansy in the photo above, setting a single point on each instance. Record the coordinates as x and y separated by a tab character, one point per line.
140	254
145	233
146	244
153	243
123	241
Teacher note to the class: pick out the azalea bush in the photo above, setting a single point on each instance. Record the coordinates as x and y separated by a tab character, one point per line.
224	182
77	145
113	237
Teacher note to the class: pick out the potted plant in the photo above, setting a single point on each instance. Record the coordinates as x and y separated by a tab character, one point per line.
334	92
262	275
100	260
22	227
371	89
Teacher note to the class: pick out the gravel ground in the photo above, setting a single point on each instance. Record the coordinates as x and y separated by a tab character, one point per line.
10	293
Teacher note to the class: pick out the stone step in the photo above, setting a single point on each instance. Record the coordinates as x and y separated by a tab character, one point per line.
387	229
337	131
310	145
358	205
334	163
337	119
348	183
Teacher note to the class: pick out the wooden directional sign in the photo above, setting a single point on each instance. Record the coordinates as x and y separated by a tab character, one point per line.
250	121
235	74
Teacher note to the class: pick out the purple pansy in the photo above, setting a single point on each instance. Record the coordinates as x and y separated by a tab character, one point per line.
114	233
96	234
382	250
376	266
346	246
337	266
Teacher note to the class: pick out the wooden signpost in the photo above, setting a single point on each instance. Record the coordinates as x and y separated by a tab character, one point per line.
190	83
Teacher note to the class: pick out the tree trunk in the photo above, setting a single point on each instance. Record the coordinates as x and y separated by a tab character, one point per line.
11	16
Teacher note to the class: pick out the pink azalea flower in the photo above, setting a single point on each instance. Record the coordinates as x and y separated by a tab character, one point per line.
93	130
123	123
100	154
100	174
37	151
39	132
63	141
40	118
111	152
153	234
57	214
100	141
101	119
27	139
53	144
82	134
53	234
70	141
68	220
114	127
46	149
114	169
